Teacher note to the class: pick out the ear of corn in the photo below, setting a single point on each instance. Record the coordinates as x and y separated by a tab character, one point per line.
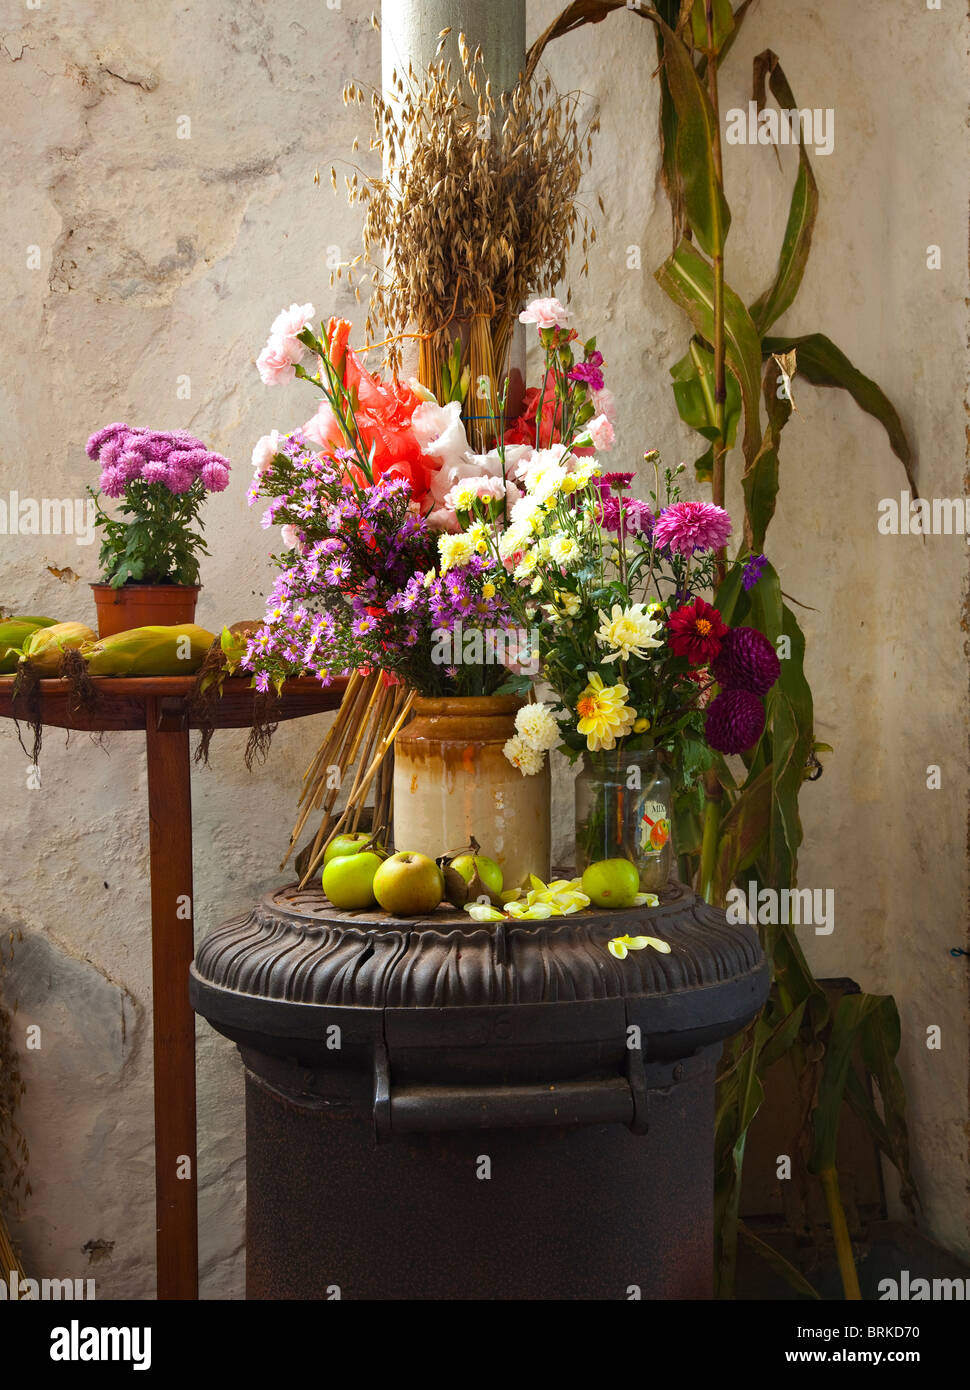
149	651
44	648
15	631
9	658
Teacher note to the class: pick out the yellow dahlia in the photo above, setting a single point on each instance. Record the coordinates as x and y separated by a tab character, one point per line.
603	717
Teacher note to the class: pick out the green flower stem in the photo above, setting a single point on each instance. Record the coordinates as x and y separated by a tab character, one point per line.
709	840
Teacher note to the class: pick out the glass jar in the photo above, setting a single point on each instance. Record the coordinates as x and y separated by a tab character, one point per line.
623	811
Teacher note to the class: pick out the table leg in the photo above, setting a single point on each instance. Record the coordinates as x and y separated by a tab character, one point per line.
170	845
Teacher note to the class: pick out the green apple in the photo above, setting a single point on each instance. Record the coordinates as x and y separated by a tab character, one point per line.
611	883
348	880
488	871
347	844
409	884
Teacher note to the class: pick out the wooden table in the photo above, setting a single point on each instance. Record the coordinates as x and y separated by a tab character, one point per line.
159	707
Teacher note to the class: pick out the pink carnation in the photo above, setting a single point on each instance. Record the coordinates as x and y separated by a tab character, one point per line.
274	364
283	349
602	433
545	313
264	451
687	527
604	403
289	322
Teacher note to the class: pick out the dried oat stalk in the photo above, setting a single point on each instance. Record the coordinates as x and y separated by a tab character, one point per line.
476	208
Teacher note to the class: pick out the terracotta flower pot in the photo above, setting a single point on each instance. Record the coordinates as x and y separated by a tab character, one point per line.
452	781
143	605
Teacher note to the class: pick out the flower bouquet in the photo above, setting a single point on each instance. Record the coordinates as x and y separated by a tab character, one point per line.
611	589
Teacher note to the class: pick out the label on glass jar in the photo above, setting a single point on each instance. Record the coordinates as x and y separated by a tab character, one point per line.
654	827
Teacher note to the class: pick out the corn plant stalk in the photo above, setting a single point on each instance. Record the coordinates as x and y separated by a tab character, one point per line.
760	833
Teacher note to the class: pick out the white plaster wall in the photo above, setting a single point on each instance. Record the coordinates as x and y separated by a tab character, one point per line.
163	257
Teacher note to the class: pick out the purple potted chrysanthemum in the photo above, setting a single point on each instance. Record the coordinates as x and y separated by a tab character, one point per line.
150	552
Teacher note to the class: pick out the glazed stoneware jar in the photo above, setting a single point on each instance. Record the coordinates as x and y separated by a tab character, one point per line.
452	781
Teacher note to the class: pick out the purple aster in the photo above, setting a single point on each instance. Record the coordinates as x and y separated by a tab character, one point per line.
687	527
746	661
337	573
735	721
262	682
753	567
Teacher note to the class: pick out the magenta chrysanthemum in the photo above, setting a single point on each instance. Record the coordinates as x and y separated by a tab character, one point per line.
215	474
734	722
687	527
747	661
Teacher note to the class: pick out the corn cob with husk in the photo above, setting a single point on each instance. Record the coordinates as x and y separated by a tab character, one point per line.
13	634
44	648
178	650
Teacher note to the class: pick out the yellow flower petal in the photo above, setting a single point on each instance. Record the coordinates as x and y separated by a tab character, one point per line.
484	912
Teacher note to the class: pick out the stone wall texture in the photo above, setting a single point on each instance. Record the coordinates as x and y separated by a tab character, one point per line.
159	208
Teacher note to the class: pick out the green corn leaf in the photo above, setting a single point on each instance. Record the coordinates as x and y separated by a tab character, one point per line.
797	241
823	364
782	1037
778	1263
760	479
880	1036
688	279
850	1016
694	387
743	833
722	26
790	724
696	132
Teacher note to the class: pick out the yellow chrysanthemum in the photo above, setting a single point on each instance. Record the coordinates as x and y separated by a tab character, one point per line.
628	631
603	716
455	551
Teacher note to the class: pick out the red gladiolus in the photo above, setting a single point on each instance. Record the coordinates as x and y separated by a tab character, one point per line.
696	631
383	416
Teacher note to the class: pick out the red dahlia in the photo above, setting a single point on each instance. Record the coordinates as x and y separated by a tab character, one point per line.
696	631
